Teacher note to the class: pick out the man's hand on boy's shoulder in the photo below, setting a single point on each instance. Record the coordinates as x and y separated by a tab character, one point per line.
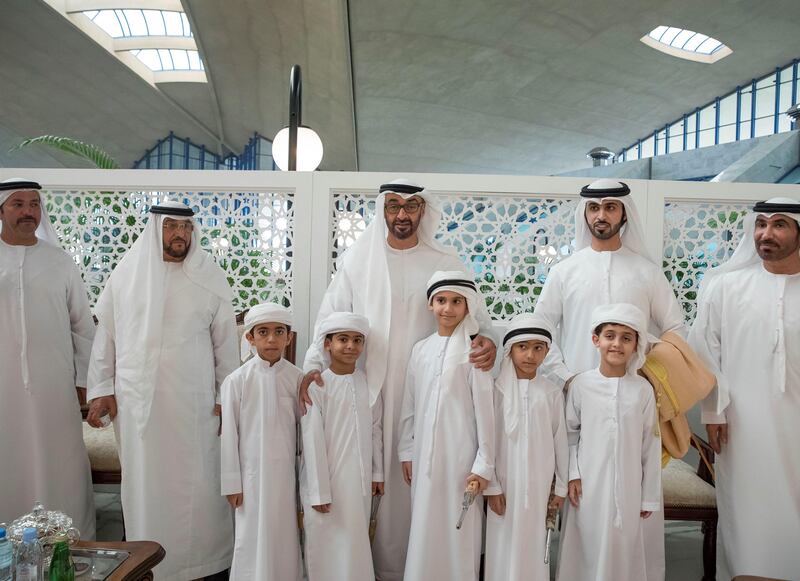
497	503
574	491
322	507
482	353
302	393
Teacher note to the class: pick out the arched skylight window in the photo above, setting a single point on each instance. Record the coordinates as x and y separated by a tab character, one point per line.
686	44
169	59
136	22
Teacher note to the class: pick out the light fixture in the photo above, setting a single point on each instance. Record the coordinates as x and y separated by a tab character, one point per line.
296	147
686	44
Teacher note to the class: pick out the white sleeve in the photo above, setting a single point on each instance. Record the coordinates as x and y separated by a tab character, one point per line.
102	365
498	483
705	338
573	419
81	325
550	306
230	467
405	444
377	439
338	297
482	385
560	445
315	454
225	341
665	309
651	456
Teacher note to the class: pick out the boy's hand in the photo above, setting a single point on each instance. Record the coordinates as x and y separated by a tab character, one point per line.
497	503
557	502
377	489
99	407
574	491
483	484
645	513
407	472
482	353
717	436
305	400
322	507
235	500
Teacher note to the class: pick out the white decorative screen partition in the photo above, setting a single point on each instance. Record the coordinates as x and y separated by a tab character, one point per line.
249	234
507	242
698	236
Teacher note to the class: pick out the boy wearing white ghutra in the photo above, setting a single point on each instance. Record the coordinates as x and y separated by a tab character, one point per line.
259	440
342	463
615	455
446	437
531	449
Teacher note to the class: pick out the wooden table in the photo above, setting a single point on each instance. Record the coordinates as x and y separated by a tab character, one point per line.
144	555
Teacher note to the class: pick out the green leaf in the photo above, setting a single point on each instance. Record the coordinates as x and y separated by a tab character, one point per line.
87	151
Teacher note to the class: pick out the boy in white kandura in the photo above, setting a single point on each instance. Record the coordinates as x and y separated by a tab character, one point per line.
531	449
615	455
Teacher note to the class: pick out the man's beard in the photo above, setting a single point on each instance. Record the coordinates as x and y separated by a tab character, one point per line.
174	252
406	233
777	252
609	233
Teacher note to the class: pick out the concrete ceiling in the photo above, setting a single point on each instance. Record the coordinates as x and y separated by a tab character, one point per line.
508	86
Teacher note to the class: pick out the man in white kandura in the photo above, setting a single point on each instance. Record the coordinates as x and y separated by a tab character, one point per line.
747	331
166	341
47	337
610	265
383	276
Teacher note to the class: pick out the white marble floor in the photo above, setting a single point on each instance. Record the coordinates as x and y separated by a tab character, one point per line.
684	541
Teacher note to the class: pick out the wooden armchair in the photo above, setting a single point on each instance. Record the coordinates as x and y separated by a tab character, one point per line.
689	495
101	445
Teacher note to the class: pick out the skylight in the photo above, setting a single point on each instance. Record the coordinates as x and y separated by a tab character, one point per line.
169	59
135	22
686	44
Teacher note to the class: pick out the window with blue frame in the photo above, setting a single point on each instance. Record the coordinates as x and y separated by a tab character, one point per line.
174	152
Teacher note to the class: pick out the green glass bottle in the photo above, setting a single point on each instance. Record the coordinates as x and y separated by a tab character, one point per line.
61	566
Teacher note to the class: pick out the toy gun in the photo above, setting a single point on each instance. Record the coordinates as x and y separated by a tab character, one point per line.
550	522
469	497
373	517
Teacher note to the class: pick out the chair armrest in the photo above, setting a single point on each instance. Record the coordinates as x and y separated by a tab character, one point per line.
706	450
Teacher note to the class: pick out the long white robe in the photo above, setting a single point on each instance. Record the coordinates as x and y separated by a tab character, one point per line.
42	452
573	289
171	473
409	271
446	431
617	456
525	465
342	456
259	441
758	470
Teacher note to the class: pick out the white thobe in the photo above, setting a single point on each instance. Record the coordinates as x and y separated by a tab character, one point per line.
409	271
447	432
171	472
43	458
259	442
573	289
758	470
342	457
616	455
525	465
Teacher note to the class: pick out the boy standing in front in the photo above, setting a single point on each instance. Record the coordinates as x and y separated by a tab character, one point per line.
342	464
615	455
531	449
446	437
258	442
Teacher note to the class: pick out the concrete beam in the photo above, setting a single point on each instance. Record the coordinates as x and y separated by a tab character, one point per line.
767	162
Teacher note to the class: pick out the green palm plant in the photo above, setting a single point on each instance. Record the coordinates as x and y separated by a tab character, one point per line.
87	151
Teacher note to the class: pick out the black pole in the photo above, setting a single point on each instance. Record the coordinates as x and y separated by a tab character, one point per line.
295	113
